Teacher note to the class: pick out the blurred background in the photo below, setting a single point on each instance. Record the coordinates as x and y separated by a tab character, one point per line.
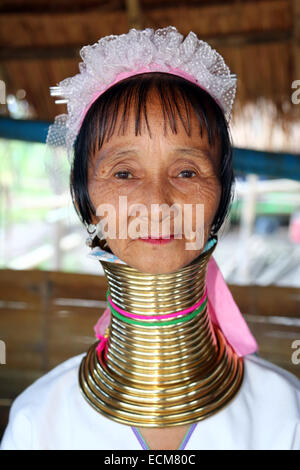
51	293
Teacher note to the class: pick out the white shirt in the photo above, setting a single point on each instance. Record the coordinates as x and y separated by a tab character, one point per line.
53	414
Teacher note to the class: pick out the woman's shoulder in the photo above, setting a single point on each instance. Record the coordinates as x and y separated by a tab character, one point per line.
48	392
255	364
64	373
269	385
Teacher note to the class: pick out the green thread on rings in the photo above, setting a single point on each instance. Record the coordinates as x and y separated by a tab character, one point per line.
156	323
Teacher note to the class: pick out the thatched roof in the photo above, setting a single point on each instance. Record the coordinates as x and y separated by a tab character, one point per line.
260	41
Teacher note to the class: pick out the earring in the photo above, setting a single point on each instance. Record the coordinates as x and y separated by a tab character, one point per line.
91	229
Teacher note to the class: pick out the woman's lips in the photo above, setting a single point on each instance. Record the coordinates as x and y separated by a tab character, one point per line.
157	240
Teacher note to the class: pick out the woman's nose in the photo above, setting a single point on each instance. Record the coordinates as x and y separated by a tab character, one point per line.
159	200
157	192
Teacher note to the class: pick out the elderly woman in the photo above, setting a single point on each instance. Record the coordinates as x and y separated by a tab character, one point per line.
174	365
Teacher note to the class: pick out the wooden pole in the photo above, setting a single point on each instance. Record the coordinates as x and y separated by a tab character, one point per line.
296	39
135	16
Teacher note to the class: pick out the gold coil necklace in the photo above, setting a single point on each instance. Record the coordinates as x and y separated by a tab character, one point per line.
164	363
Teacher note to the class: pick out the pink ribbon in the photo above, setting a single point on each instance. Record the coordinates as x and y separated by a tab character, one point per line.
225	313
102	345
222	309
100	328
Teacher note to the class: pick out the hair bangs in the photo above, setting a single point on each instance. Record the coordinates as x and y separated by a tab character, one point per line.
132	95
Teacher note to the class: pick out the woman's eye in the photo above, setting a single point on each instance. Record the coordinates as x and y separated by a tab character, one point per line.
187	172
123	174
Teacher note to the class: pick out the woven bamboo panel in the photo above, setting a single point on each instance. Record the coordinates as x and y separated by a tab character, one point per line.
41	42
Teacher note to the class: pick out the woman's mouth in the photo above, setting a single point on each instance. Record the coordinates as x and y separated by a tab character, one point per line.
157	240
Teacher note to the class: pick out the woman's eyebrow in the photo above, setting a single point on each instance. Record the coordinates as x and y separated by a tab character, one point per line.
199	152
194	151
116	154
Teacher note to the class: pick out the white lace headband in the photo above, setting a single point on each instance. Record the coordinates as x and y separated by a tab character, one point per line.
114	58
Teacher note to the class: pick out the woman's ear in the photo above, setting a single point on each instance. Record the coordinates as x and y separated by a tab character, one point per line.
96	241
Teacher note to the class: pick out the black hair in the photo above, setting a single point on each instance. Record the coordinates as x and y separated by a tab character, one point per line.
100	122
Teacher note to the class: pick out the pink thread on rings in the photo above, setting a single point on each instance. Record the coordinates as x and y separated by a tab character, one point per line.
158	317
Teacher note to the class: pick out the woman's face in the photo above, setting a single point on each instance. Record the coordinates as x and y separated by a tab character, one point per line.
161	169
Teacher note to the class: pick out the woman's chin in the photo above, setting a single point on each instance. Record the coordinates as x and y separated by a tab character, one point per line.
157	268
161	260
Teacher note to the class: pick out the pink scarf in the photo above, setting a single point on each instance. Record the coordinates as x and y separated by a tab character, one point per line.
222	309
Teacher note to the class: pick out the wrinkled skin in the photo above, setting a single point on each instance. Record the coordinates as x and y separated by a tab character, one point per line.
154	171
